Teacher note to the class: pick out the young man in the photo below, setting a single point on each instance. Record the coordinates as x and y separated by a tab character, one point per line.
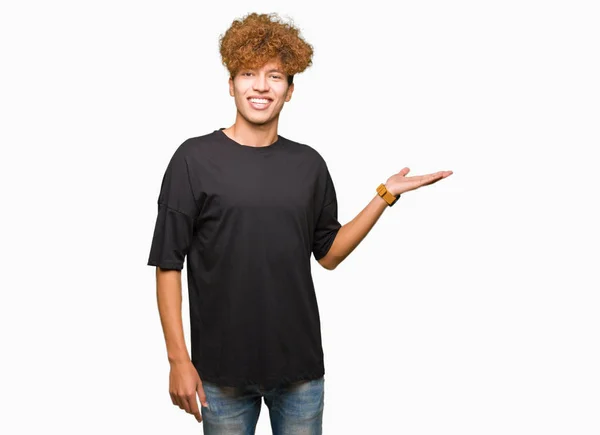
248	208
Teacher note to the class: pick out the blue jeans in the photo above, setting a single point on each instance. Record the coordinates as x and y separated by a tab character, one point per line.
294	409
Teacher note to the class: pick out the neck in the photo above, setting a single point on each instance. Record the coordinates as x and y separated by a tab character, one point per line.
250	134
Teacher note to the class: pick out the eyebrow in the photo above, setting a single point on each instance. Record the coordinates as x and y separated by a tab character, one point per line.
255	69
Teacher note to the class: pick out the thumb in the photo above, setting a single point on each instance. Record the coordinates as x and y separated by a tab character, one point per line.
201	395
404	171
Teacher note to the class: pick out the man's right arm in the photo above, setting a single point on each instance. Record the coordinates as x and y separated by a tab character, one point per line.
184	381
168	294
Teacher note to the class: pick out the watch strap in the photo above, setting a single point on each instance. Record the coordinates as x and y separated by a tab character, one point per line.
386	195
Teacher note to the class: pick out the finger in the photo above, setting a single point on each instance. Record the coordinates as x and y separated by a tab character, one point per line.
438	176
173	399
193	408
190	403
445	173
202	395
180	401
404	171
431	178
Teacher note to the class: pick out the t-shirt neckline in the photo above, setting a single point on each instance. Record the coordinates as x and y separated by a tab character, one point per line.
230	141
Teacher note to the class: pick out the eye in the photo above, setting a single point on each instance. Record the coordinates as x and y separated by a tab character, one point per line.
276	76
247	74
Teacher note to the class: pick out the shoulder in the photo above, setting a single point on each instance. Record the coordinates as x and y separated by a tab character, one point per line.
197	144
305	151
194	149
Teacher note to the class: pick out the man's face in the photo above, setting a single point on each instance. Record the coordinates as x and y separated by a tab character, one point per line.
261	93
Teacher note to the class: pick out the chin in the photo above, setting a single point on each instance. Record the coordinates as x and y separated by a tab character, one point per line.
258	121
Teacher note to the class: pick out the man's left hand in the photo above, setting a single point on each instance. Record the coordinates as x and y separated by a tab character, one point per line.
400	183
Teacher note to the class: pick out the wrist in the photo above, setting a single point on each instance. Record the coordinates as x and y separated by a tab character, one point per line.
388	189
179	359
388	196
391	190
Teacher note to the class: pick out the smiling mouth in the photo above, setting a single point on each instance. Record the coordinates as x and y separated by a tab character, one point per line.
259	103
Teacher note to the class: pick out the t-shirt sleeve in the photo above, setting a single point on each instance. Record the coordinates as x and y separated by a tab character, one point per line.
327	225
178	209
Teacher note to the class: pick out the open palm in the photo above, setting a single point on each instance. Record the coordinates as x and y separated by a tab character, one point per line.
400	183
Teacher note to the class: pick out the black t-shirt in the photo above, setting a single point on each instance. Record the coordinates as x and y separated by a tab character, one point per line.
248	220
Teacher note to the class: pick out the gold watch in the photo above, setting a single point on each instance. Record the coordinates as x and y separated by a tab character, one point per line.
387	196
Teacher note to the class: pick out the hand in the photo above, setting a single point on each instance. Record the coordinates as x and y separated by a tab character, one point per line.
400	183
184	384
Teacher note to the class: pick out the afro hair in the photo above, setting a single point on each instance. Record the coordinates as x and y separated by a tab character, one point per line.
255	39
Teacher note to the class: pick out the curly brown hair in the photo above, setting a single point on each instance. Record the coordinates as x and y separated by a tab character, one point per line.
255	39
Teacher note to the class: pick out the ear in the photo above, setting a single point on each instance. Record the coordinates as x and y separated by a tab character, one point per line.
290	91
231	86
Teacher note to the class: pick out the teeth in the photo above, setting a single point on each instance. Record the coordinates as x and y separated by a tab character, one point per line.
259	100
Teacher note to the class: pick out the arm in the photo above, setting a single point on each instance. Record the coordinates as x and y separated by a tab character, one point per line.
184	381
168	294
178	208
350	235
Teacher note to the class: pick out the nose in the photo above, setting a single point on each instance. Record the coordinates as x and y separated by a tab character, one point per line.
260	83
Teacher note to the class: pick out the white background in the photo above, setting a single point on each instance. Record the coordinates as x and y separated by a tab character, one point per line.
471	307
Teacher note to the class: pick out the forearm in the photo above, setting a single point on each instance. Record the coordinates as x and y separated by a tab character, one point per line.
351	234
168	293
